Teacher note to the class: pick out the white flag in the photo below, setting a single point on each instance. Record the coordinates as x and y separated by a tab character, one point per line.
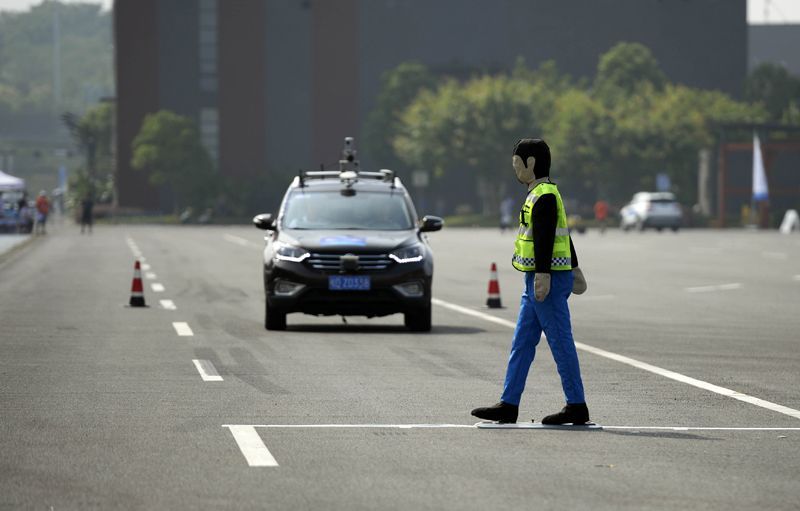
760	190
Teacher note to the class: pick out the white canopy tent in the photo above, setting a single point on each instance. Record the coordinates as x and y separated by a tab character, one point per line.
9	182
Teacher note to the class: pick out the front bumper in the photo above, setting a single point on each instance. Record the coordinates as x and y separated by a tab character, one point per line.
315	298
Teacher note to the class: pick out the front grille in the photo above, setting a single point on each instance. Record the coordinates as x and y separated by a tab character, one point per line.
366	262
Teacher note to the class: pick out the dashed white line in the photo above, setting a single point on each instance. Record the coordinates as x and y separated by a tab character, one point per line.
157	287
182	328
239	240
796	278
145	266
168	304
150	275
718	287
640	365
252	447
207	370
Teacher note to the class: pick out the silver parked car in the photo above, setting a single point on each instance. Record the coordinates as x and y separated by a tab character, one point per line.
658	210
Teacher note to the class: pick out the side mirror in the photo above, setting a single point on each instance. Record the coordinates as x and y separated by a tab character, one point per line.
431	223
264	221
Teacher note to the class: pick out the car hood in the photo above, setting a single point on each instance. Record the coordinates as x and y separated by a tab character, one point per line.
344	241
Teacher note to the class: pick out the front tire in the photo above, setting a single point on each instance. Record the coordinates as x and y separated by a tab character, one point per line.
274	318
419	320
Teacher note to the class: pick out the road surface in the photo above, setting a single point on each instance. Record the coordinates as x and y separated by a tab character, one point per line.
689	350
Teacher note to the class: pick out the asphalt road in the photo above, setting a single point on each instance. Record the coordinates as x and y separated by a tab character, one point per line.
102	406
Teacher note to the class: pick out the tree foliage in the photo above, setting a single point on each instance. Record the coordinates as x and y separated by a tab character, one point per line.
92	134
169	148
399	87
779	91
26	63
608	138
626	69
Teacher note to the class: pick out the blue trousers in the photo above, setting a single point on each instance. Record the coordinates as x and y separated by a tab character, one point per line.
552	316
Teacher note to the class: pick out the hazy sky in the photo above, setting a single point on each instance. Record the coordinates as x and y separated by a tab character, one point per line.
778	11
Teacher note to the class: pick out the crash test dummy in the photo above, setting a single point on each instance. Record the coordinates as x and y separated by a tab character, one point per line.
544	252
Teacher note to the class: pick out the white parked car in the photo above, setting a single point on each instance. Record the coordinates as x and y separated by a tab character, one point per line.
658	210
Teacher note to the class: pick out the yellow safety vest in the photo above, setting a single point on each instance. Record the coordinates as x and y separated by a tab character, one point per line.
524	258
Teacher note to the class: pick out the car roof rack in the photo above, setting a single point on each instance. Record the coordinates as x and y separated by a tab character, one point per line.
347	177
349	169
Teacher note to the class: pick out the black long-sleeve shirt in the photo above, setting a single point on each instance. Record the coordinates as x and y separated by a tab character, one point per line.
544	218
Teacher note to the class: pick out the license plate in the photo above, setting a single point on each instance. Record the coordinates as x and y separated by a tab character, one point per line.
348	283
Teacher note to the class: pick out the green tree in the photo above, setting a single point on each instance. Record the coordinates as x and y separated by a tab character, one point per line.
92	134
580	135
624	70
399	87
470	128
169	148
777	89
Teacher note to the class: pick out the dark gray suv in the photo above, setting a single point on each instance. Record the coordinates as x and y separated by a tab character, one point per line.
347	243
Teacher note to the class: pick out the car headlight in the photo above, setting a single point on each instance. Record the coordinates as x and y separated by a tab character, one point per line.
412	254
284	252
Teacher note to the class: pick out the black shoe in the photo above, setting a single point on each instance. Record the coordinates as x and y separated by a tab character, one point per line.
501	412
576	414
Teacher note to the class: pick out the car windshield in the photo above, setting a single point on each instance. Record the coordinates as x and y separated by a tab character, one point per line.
334	210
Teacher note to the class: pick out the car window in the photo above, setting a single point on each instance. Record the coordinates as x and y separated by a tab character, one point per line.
333	210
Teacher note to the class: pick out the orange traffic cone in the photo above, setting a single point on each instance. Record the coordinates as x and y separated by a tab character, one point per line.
137	291
493	302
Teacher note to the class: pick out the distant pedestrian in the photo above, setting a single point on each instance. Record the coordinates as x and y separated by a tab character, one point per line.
601	214
42	210
87	214
24	216
506	212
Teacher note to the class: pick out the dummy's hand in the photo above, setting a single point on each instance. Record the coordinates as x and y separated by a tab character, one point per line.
541	286
579	283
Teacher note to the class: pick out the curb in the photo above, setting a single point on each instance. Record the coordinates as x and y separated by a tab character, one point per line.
11	254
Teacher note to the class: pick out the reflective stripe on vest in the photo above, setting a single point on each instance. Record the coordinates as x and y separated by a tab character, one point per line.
524	258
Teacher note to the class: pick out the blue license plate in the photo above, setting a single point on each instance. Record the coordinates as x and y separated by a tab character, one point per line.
348	283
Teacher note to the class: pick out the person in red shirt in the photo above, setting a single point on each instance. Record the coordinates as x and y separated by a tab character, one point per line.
601	214
42	210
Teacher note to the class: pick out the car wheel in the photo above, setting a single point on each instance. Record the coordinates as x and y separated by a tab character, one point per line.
274	319
659	229
675	228
418	320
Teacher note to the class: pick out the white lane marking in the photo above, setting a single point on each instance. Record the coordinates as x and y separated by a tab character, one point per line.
145	267
470	312
252	447
354	426
207	370
718	287
775	255
672	375
474	426
699	428
150	275
796	278
239	240
168	304
156	287
142	259
182	328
